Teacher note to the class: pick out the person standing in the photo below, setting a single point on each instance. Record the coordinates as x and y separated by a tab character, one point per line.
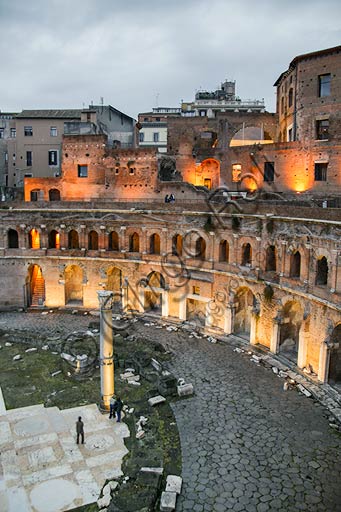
118	408
112	407
80	429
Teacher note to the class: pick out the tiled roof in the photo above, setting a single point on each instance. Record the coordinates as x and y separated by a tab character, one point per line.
50	114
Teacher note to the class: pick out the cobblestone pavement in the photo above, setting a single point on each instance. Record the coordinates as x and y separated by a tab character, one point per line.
247	445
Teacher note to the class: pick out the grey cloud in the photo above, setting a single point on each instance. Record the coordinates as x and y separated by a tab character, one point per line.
59	53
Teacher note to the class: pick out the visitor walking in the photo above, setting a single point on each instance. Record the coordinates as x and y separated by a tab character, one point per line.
112	407
80	429
167	199
118	408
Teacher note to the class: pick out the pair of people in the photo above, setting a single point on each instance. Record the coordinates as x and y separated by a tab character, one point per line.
170	199
116	406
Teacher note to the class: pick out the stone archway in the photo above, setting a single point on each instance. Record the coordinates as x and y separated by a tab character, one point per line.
290	327
73	276
243	307
114	284
35	287
334	371
155	297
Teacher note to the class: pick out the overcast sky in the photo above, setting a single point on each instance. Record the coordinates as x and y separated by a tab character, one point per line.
141	54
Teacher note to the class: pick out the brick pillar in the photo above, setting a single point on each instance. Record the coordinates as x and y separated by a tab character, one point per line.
102	239
235	250
23	237
275	336
123	242
83	242
43	237
324	360
229	319
165	243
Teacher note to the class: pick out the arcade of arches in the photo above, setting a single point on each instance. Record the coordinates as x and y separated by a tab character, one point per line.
217	280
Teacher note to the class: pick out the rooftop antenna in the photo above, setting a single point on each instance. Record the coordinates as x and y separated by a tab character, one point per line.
102	102
157	99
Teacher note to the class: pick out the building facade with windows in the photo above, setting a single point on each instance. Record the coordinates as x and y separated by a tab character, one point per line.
35	150
309	97
224	99
7	133
153	127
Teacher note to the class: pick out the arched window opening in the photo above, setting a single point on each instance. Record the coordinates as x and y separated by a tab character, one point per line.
270	264
295	266
114	241
35	287
155	244
177	245
73	239
54	239
93	240
54	194
322	271
13	239
34	239
224	251
134	243
247	255
200	248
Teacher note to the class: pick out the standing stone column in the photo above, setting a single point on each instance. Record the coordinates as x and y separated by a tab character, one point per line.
105	299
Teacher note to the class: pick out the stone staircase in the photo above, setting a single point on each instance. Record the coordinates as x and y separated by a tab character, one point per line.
38	294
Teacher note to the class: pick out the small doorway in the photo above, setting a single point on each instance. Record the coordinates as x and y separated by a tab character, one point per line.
35	287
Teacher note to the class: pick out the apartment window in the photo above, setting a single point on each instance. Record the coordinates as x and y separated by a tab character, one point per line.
322	129
82	171
269	172
141	136
13	133
158	119
202	113
2	133
53	131
156	136
290	135
321	171
53	157
196	290
324	85
28	131
29	158
290	97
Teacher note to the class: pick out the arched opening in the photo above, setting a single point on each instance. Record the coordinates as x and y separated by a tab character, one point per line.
73	239
208	173
114	241
54	239
334	373
177	245
35	287
153	294
34	239
73	277
243	304
155	244
134	243
54	194
249	135
200	248
270	263
224	251
247	255
12	239
36	195
295	265
292	314
321	271
114	284
93	241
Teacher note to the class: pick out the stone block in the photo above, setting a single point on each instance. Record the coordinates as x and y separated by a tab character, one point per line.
168	501
174	484
156	400
185	390
158	471
104	502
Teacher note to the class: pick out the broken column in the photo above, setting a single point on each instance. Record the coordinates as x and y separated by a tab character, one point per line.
105	299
